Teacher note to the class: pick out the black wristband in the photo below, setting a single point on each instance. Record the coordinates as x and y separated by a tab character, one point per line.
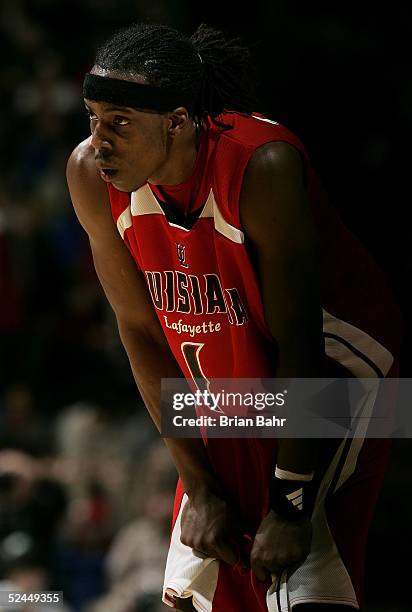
290	499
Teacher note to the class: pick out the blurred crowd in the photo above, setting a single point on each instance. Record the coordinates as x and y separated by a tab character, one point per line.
86	486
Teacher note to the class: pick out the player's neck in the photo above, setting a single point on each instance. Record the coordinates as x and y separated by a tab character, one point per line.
180	160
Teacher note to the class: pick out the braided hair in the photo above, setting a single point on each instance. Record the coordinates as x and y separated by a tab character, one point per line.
213	71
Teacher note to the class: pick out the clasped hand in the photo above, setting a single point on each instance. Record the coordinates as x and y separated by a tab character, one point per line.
212	529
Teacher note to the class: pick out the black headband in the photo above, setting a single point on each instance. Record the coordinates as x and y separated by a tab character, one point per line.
135	95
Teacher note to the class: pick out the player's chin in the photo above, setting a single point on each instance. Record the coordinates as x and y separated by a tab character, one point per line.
126	185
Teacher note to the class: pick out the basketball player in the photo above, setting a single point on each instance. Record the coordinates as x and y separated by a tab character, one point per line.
204	215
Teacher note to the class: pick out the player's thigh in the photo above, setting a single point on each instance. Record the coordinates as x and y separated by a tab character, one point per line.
322	608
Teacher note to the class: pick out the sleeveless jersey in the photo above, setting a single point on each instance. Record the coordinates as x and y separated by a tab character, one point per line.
201	280
190	246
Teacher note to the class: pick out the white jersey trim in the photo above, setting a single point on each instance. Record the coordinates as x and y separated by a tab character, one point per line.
349	344
211	209
143	202
124	221
266	120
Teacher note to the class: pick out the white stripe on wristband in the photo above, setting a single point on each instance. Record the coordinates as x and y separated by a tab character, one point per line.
286	475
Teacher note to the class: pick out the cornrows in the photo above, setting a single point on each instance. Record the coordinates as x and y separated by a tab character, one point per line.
211	70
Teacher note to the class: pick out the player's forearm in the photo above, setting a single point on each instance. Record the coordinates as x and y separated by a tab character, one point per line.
306	360
150	362
297	455
300	455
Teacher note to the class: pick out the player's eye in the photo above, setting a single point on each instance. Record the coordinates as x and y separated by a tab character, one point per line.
90	114
118	120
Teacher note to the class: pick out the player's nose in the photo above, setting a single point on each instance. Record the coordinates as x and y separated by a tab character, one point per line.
99	139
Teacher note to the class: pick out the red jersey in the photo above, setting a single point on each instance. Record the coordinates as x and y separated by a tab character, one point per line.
201	280
188	242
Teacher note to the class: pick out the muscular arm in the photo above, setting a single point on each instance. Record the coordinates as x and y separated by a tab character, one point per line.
208	523
284	244
142	336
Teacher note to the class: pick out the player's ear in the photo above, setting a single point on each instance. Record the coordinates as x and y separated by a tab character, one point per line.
177	121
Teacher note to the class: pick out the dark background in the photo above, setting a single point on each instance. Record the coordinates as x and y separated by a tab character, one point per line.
335	73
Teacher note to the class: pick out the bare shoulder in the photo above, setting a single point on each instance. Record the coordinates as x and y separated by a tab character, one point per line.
81	167
122	282
273	196
81	156
272	163
87	190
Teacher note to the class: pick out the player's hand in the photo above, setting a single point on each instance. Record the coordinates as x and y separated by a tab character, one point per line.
279	544
210	527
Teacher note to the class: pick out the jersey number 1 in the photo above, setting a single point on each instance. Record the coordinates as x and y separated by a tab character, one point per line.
191	352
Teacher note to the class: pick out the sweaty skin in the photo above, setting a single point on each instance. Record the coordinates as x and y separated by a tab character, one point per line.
130	147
